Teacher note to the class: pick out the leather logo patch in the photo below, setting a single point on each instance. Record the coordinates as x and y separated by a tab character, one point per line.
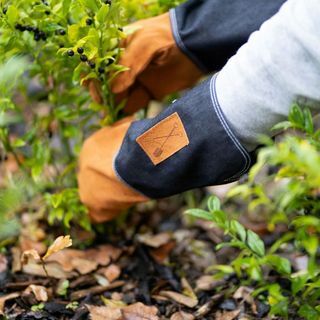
164	139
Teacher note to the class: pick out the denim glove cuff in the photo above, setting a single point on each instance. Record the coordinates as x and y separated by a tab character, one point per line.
189	145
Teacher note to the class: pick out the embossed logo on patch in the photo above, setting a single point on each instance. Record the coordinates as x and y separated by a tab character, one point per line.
164	139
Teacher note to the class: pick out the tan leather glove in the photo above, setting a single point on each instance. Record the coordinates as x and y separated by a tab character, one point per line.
100	190
157	66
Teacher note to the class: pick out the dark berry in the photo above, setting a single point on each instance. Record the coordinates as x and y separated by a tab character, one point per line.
70	53
4	10
35	29
18	26
62	32
101	69
45	3
120	29
83	58
61	45
89	22
37	37
92	64
107	2
42	35
80	50
110	61
29	28
47	12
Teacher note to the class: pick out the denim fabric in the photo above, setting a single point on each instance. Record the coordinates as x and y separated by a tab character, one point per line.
213	156
211	31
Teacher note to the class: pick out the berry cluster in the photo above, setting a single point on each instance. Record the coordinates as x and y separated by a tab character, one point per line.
38	34
84	58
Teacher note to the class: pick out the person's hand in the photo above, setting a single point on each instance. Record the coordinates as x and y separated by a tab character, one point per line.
157	67
100	189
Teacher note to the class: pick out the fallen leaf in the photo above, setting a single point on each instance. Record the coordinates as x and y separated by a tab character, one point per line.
26	244
65	258
139	311
187	290
40	292
5	298
227	315
111	272
244	293
180	298
84	266
154	241
3	263
16	259
104	313
30	255
54	270
161	254
59	244
207	283
182	316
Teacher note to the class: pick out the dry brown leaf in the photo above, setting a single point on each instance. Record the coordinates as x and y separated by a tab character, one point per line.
25	244
154	241
30	255
161	254
5	298
244	293
111	273
207	283
16	259
187	290
65	258
40	292
139	311
227	315
3	263
54	270
59	244
180	298
182	316
104	313
84	266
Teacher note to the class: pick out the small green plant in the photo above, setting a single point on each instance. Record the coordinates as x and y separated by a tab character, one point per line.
294	202
50	50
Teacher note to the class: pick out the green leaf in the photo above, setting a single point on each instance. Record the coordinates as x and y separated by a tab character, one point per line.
214	203
298	283
282	265
255	243
308	121
18	143
199	213
12	15
284	125
66	6
308	313
296	116
238	228
102	14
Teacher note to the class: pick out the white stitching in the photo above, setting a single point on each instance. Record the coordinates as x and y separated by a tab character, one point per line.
180	43
225	125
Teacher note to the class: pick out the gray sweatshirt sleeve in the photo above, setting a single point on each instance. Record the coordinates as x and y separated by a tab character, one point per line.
279	65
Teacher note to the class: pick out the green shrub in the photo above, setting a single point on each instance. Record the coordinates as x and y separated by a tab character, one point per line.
294	202
48	48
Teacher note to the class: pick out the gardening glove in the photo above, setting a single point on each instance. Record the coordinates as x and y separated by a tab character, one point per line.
157	67
105	195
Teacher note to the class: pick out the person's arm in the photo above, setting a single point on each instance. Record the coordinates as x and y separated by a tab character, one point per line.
170	53
209	32
204	137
